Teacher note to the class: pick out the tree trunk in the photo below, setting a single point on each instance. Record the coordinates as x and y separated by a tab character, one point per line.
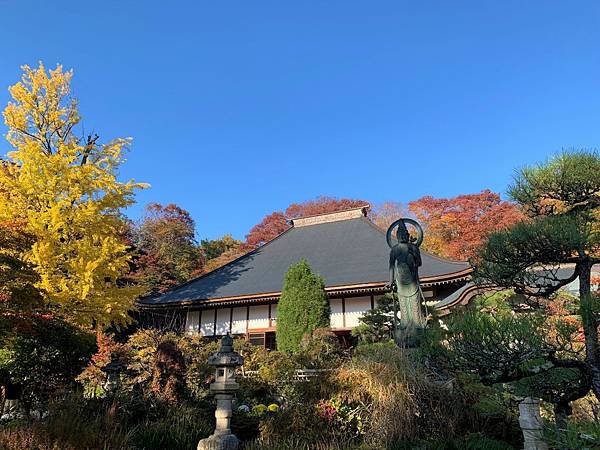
590	325
562	411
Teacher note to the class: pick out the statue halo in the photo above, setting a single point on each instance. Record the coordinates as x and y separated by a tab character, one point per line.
405	220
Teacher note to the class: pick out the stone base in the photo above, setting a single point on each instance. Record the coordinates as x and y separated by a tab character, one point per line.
219	442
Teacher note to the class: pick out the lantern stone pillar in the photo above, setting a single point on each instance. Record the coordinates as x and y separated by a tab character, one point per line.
224	387
531	424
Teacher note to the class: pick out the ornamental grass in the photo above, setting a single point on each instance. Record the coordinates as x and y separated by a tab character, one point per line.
398	399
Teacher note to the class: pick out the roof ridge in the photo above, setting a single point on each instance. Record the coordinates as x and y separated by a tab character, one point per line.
343	214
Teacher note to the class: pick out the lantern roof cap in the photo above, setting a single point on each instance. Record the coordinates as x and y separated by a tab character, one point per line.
226	356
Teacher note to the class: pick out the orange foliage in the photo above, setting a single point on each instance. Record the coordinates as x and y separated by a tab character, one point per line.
383	215
276	223
168	373
108	350
595	281
322	205
267	229
457	227
561	316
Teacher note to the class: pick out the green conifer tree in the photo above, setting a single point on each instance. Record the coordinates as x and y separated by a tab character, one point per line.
303	307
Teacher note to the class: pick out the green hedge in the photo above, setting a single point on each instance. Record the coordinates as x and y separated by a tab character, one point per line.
303	307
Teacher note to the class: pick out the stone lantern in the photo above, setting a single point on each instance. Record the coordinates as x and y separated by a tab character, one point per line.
224	387
532	424
112	371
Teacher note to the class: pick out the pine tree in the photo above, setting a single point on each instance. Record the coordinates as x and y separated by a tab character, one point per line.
561	199
303	307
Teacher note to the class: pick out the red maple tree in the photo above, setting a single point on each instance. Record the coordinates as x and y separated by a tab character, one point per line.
267	229
457	227
277	222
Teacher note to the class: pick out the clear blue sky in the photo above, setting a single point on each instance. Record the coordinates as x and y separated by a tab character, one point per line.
238	108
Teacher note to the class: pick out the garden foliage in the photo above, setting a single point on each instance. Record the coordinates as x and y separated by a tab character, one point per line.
41	355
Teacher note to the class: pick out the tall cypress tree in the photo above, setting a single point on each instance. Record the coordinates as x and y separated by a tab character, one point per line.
303	307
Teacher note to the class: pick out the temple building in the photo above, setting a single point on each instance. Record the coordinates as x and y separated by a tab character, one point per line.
345	248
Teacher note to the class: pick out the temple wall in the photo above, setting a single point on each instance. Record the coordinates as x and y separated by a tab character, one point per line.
355	308
223	323
258	317
337	313
242	320
207	322
345	314
239	324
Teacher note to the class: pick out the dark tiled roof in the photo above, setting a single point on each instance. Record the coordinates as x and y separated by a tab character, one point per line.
345	252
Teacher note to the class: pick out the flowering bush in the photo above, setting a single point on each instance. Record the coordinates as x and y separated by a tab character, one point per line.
244	409
259	409
347	418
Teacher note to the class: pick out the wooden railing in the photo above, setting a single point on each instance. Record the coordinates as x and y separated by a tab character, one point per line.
300	375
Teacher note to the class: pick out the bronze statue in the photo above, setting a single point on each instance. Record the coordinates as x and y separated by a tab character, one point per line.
405	259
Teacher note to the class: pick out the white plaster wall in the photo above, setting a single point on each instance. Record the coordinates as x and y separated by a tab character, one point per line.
259	317
223	321
355	308
238	325
192	322
336	318
207	322
273	314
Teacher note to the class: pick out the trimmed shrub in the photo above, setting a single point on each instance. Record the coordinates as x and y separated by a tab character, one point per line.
303	307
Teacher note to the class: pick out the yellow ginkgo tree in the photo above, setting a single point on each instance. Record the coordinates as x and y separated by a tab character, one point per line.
65	190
